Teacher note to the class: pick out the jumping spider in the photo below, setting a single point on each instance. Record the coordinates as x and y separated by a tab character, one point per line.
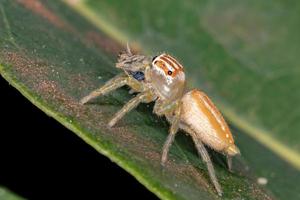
162	79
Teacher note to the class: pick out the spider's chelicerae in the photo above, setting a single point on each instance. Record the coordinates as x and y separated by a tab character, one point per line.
162	79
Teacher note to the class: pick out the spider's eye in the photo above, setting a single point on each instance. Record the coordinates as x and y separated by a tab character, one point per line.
154	58
170	72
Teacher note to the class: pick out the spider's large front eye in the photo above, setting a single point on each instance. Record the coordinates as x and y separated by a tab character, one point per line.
170	73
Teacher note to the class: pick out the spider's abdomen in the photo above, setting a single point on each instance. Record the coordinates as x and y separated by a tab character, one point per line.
202	116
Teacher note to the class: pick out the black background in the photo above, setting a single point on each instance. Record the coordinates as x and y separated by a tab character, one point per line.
40	159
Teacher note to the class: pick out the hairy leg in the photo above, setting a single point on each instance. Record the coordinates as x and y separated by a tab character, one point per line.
174	119
134	102
205	157
113	84
165	108
166	148
229	163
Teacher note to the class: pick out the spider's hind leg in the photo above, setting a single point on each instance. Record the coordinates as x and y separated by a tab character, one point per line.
205	157
229	162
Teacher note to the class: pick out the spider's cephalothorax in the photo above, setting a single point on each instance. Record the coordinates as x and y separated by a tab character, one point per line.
162	79
167	77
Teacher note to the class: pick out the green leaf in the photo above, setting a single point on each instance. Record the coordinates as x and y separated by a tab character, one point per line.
226	47
54	57
244	54
5	194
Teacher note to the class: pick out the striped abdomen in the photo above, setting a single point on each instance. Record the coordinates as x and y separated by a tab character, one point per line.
202	116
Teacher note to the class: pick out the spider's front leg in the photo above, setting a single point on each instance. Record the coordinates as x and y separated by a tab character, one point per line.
144	97
172	112
113	84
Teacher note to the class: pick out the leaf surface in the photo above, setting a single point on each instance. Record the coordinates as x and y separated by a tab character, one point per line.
54	57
